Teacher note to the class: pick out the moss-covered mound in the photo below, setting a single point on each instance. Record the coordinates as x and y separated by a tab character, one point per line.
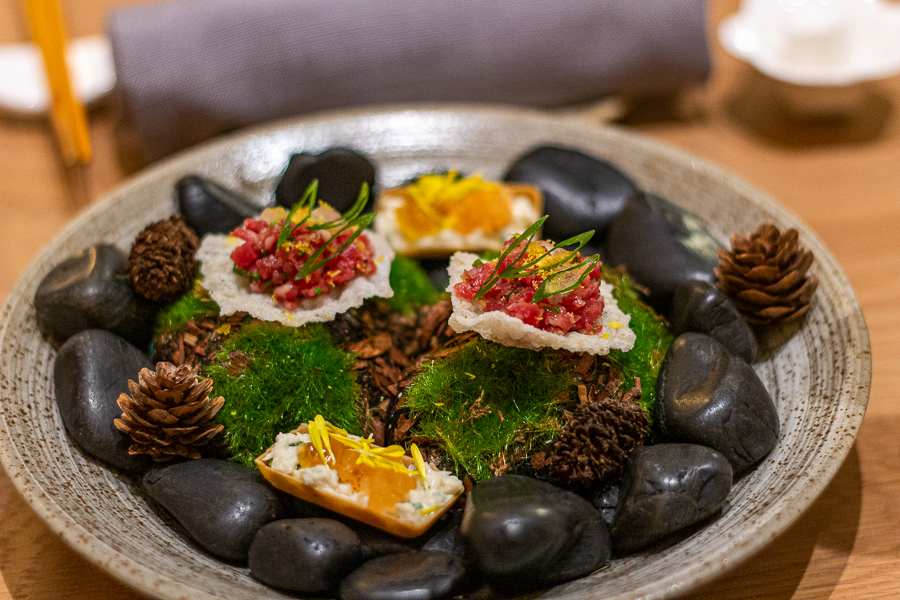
653	339
490	405
412	287
193	306
274	378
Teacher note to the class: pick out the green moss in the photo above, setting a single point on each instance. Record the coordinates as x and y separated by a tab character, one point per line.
653	339
190	307
293	374
489	403
459	400
412	288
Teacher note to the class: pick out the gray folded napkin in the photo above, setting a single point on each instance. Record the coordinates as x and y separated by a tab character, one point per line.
190	69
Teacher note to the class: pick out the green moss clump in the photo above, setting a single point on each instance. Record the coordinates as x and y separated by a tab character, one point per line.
491	405
193	306
293	374
412	288
653	339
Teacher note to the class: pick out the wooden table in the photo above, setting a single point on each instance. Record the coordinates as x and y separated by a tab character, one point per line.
841	178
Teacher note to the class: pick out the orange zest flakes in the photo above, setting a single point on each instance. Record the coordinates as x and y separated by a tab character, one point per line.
437	202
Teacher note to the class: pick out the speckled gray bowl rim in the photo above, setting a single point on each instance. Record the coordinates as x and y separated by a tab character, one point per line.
656	167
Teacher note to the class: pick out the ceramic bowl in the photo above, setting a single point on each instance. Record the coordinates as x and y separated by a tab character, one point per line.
822	57
819	379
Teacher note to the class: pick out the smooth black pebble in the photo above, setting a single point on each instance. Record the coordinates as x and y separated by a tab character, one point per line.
90	371
377	542
667	488
448	537
304	555
417	575
221	504
522	533
340	172
707	395
580	192
92	290
662	245
606	499
209	207
703	307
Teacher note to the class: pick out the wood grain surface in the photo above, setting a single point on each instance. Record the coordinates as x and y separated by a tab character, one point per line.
841	177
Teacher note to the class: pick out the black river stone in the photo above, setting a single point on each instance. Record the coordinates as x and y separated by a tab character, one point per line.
377	542
221	504
661	245
304	555
605	499
522	533
340	172
417	575
580	192
703	307
666	488
448	537
90	371
92	290
209	207
707	395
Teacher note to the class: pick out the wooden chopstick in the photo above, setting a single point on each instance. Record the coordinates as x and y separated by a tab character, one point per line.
67	112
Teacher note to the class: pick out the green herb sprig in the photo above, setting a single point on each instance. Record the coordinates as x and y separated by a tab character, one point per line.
308	201
350	219
512	271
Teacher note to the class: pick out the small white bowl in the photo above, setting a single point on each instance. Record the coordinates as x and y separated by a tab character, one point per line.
824	52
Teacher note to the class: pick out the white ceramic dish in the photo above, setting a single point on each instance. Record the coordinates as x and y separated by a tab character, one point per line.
819	380
818	43
822	55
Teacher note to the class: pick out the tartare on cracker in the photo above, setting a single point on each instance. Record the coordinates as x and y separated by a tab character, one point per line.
303	266
538	295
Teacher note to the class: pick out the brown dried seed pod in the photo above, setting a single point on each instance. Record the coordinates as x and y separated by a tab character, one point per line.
765	275
597	440
169	412
161	264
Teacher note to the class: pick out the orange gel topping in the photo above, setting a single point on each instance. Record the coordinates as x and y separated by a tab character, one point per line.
436	202
376	472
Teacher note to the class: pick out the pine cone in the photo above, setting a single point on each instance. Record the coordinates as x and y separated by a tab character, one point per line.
169	413
765	276
594	445
161	264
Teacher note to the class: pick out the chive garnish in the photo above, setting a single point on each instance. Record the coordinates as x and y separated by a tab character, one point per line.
308	202
524	239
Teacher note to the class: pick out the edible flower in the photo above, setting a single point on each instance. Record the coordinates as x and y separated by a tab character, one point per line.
322	432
